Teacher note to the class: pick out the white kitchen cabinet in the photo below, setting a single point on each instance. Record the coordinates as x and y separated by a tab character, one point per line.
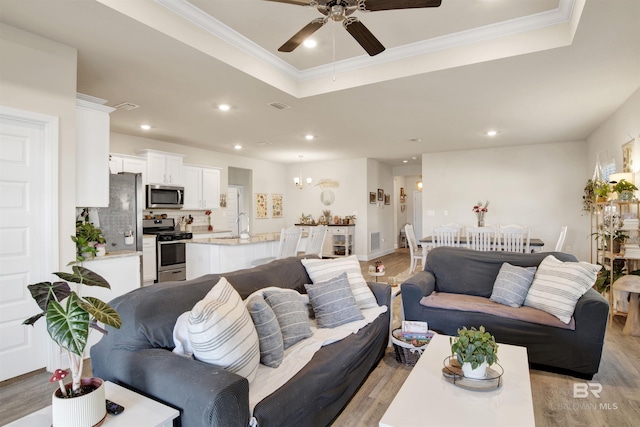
201	188
123	163
163	168
92	151
149	267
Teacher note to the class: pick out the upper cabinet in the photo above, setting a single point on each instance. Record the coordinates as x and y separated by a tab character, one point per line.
163	168
123	163
201	188
92	151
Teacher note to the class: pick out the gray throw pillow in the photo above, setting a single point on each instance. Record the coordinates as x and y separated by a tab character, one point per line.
268	328
291	313
333	302
512	284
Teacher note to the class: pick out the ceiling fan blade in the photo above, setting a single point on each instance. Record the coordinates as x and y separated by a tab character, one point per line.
376	5
302	35
298	2
367	40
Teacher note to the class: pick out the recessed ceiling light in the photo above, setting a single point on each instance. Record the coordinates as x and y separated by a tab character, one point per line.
224	107
492	133
310	43
145	127
414	158
308	137
238	147
405	161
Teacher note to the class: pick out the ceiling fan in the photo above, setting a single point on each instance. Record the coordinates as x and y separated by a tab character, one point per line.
340	10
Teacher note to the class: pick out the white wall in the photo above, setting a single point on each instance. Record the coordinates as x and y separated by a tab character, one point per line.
380	217
535	185
39	75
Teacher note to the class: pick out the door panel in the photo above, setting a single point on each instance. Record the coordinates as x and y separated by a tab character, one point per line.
25	257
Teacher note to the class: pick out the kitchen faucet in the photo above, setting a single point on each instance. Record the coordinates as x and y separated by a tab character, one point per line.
244	233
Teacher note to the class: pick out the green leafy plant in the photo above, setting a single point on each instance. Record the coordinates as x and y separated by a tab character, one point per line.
602	189
589	197
474	346
87	235
624	185
71	317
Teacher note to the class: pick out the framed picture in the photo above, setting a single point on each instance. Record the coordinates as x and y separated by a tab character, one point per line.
387	199
380	194
261	206
372	197
276	206
627	157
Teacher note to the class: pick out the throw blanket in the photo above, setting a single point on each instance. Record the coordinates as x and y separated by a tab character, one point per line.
476	304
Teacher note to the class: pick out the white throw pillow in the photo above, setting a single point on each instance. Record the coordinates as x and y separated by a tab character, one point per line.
222	333
557	286
322	270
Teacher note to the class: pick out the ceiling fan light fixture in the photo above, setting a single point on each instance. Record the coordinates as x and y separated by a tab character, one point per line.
310	43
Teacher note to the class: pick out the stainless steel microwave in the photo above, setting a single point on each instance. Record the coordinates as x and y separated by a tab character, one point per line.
165	196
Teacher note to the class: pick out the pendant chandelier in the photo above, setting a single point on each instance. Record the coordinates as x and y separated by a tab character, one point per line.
298	179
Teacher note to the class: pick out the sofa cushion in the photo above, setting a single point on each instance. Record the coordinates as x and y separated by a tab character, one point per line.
321	270
222	333
333	302
268	329
291	313
512	284
558	285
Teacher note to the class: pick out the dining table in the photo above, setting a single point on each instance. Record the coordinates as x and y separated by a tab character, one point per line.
535	244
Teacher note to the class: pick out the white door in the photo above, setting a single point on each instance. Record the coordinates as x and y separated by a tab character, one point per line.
234	207
28	234
417	214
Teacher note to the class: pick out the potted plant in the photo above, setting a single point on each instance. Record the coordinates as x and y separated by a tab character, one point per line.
86	238
624	189
602	190
610	233
70	319
475	350
589	196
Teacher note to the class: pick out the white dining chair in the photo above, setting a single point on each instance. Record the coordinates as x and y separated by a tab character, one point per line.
560	242
481	238
445	235
315	240
415	250
513	238
287	247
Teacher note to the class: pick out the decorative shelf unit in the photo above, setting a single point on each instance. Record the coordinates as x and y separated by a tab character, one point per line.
339	241
605	218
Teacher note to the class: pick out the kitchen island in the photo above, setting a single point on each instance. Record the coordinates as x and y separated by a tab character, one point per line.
224	254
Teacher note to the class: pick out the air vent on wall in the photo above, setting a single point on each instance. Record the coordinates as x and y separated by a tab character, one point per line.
279	105
126	106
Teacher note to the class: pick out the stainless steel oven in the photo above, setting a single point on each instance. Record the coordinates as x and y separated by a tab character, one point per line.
171	254
172	263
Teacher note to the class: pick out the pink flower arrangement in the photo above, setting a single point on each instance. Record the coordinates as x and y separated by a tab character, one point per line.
480	210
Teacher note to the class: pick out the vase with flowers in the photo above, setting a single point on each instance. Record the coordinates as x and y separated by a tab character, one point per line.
479	209
208	214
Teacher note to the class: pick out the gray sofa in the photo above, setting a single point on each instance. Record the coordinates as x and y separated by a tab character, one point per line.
463	271
138	356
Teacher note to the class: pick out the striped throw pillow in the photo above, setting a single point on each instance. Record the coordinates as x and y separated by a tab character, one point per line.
221	331
557	286
291	313
512	285
333	302
321	270
268	329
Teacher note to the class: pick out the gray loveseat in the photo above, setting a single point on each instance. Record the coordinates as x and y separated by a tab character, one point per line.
138	356
466	272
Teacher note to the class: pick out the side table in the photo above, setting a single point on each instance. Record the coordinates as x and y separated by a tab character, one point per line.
138	411
376	275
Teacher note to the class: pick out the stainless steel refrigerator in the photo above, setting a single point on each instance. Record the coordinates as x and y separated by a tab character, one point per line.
121	222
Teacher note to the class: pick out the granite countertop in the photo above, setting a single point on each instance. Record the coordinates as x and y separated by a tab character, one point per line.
235	241
116	254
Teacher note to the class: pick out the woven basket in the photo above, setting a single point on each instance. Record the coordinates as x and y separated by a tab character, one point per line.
406	352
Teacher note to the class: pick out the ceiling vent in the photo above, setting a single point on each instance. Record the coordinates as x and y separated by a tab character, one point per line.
126	106
279	105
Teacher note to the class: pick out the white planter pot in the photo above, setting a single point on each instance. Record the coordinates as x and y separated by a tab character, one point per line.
82	411
479	372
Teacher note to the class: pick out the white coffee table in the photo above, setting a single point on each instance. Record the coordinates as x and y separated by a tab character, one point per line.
426	398
138	411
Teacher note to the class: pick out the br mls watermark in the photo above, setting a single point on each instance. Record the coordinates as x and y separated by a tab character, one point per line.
584	391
